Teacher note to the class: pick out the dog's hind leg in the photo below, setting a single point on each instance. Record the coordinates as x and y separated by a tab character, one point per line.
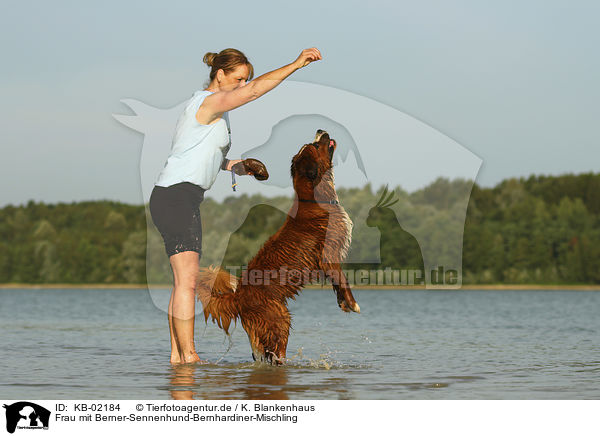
268	329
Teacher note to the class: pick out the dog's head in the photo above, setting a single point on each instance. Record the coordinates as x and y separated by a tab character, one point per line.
312	164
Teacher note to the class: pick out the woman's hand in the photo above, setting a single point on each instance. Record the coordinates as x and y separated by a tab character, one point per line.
251	167
307	56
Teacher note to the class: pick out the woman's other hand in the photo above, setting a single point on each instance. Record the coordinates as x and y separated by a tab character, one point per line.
251	167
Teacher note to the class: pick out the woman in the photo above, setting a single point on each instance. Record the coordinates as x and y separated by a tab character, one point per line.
200	144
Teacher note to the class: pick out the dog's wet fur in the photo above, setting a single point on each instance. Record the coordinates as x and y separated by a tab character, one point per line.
315	238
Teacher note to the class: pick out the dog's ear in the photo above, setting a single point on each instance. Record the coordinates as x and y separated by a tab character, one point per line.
311	170
304	165
294	164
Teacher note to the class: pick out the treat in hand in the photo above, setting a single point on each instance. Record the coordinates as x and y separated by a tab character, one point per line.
251	166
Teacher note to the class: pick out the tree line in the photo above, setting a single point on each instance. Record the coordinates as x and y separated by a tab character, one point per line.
535	230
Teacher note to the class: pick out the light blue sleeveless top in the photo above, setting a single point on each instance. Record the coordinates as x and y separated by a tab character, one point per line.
198	150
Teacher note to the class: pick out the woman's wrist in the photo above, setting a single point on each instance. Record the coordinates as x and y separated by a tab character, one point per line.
294	65
231	163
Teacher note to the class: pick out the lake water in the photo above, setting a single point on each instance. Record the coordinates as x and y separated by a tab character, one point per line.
114	344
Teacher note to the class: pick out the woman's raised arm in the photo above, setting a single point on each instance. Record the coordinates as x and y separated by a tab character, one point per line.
216	104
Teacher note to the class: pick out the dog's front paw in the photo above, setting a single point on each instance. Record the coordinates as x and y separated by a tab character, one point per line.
344	306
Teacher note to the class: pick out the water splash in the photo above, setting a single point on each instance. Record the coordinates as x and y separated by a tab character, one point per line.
230	345
326	361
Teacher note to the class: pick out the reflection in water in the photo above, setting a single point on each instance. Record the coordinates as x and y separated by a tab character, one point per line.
259	381
252	381
266	383
182	377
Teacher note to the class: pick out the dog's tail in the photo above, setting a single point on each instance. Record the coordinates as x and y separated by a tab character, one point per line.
216	290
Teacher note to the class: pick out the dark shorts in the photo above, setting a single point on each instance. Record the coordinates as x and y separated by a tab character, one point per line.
175	213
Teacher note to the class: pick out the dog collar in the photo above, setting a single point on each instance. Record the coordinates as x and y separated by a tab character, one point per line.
316	201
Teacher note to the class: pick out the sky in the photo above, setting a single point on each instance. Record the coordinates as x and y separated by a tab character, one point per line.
514	83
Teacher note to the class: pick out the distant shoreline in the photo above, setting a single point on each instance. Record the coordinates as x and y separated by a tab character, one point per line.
496	287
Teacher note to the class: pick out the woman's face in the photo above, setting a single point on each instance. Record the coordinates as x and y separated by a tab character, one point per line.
236	79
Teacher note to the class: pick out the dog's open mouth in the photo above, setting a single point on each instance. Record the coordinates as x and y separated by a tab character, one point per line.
319	134
331	144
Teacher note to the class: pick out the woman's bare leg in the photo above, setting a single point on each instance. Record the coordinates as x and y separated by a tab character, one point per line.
175	358
185	270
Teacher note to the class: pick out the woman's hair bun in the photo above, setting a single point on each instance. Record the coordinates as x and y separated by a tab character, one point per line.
209	58
227	60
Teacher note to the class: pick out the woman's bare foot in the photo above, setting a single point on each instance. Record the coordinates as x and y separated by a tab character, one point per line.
190	358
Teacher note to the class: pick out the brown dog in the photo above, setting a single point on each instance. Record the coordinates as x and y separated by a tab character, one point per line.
312	243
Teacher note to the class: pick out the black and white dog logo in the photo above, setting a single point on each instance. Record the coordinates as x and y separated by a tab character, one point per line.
26	415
